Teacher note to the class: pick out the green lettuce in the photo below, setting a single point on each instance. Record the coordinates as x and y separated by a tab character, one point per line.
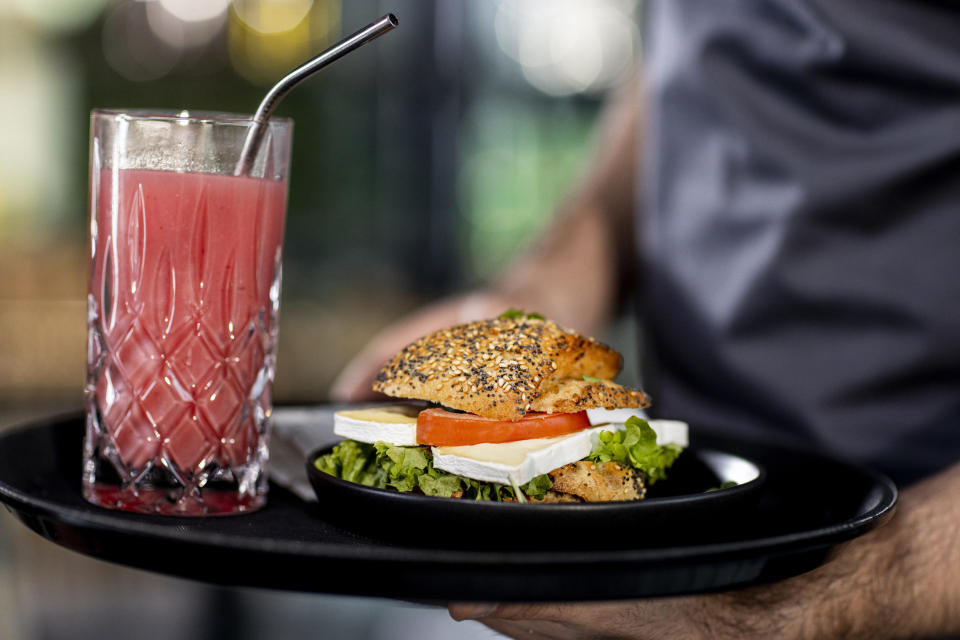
513	314
407	469
538	487
636	445
352	461
410	469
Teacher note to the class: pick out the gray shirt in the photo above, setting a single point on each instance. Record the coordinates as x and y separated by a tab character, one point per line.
801	223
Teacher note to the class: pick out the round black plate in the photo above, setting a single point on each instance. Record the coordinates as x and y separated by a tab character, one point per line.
689	497
808	504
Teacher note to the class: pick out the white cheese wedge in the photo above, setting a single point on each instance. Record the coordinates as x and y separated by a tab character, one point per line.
668	431
524	460
519	462
613	416
393	424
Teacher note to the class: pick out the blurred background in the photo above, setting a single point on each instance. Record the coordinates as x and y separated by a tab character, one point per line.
421	165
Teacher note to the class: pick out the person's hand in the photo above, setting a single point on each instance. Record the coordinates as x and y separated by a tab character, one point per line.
830	602
669	618
714	617
354	384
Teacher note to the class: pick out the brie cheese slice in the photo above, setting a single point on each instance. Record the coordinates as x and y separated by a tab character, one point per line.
394	424
516	462
520	462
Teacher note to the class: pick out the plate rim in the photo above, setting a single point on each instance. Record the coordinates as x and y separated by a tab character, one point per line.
492	505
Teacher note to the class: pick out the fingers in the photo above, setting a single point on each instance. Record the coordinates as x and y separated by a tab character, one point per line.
537	630
471	610
566	612
355	382
527	621
637	620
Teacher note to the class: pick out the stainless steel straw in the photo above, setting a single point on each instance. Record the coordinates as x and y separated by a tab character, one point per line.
298	75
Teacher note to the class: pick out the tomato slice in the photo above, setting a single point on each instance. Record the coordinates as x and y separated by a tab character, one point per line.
441	428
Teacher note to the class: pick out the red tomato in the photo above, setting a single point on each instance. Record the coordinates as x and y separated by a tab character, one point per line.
441	428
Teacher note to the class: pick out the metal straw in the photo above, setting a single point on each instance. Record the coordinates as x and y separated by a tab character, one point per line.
276	94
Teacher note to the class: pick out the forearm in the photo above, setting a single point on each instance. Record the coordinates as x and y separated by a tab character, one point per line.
900	581
910	570
571	280
573	272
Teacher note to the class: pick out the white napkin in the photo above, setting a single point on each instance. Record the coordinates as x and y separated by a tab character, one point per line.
297	432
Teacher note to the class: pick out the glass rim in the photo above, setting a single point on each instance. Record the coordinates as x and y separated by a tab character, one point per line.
184	116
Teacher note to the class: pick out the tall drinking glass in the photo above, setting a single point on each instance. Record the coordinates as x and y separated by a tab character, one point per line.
182	311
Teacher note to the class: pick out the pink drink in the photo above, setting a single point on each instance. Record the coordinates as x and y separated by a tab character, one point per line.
184	294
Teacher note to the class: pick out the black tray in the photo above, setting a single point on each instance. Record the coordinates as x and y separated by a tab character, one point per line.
290	544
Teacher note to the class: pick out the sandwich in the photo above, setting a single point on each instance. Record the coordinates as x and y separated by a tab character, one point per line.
513	408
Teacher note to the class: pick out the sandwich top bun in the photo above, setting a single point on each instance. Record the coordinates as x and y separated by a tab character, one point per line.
505	367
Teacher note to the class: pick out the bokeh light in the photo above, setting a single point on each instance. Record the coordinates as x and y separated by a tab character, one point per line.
518	165
569	46
267	38
131	47
272	16
183	24
193	11
60	15
38	85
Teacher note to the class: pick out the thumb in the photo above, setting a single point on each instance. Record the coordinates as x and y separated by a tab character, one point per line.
471	610
519	611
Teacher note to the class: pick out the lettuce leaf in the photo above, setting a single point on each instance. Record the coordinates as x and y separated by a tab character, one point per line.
513	314
403	465
407	469
636	445
444	485
352	460
538	487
